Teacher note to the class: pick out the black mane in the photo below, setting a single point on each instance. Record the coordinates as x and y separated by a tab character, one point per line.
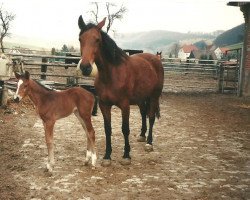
112	53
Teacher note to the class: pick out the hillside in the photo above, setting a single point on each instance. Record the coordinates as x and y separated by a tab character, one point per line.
153	41
232	36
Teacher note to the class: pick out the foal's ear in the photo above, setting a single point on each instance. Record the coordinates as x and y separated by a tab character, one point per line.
17	75
81	23
27	75
102	23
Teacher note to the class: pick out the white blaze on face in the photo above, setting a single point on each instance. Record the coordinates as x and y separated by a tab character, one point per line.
19	83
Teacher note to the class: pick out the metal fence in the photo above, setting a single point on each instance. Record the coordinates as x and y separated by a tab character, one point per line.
189	76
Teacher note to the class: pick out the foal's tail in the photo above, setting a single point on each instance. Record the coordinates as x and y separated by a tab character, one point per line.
94	111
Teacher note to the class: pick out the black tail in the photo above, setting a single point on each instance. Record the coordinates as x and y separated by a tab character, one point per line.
157	113
95	108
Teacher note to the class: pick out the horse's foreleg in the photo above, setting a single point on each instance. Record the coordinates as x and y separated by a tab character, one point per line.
106	112
48	127
125	130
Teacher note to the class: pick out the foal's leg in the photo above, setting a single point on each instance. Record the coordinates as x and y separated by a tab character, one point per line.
48	127
106	112
143	111
125	130
89	130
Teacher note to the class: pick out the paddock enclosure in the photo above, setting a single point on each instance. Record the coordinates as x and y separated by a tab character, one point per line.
201	151
201	144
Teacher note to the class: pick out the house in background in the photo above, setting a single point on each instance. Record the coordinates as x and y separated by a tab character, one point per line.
220	52
185	51
197	55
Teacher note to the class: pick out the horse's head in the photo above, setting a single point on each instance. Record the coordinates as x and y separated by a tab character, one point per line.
90	43
22	85
159	54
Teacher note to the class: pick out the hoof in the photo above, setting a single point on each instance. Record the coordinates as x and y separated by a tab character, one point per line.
49	168
48	173
106	162
141	139
126	161
86	163
149	147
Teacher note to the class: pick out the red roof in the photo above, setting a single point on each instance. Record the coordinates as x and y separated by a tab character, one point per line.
224	49
189	48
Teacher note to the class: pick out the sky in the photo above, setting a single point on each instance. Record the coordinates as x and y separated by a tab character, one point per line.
54	22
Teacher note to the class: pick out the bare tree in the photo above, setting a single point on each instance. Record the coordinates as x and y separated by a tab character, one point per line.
5	19
112	16
95	12
174	49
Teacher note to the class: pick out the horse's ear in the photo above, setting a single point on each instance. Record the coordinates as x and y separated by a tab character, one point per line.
17	75
27	75
102	23
81	23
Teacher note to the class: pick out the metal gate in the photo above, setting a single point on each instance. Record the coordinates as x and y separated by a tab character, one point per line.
190	76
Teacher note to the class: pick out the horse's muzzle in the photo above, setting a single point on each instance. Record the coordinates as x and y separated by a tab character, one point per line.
86	69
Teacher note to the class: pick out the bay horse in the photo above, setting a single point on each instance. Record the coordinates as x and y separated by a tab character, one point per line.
52	105
159	54
122	81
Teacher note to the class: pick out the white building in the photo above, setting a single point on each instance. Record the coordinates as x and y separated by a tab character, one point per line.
220	52
185	51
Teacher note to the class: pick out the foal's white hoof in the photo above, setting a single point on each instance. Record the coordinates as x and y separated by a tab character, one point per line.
141	139
149	147
49	169
126	161
106	162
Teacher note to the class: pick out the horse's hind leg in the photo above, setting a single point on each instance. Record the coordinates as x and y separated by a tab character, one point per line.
89	130
153	111
143	111
48	127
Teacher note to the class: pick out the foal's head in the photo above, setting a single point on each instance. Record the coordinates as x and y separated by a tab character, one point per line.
22	85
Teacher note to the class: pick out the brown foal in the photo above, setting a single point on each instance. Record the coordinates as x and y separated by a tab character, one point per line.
52	105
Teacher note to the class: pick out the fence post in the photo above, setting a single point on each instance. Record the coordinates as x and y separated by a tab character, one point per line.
44	68
220	78
4	96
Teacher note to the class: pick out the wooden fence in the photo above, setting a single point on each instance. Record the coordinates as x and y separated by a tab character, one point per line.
189	76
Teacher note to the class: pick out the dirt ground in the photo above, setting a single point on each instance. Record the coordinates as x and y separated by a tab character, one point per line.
201	151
